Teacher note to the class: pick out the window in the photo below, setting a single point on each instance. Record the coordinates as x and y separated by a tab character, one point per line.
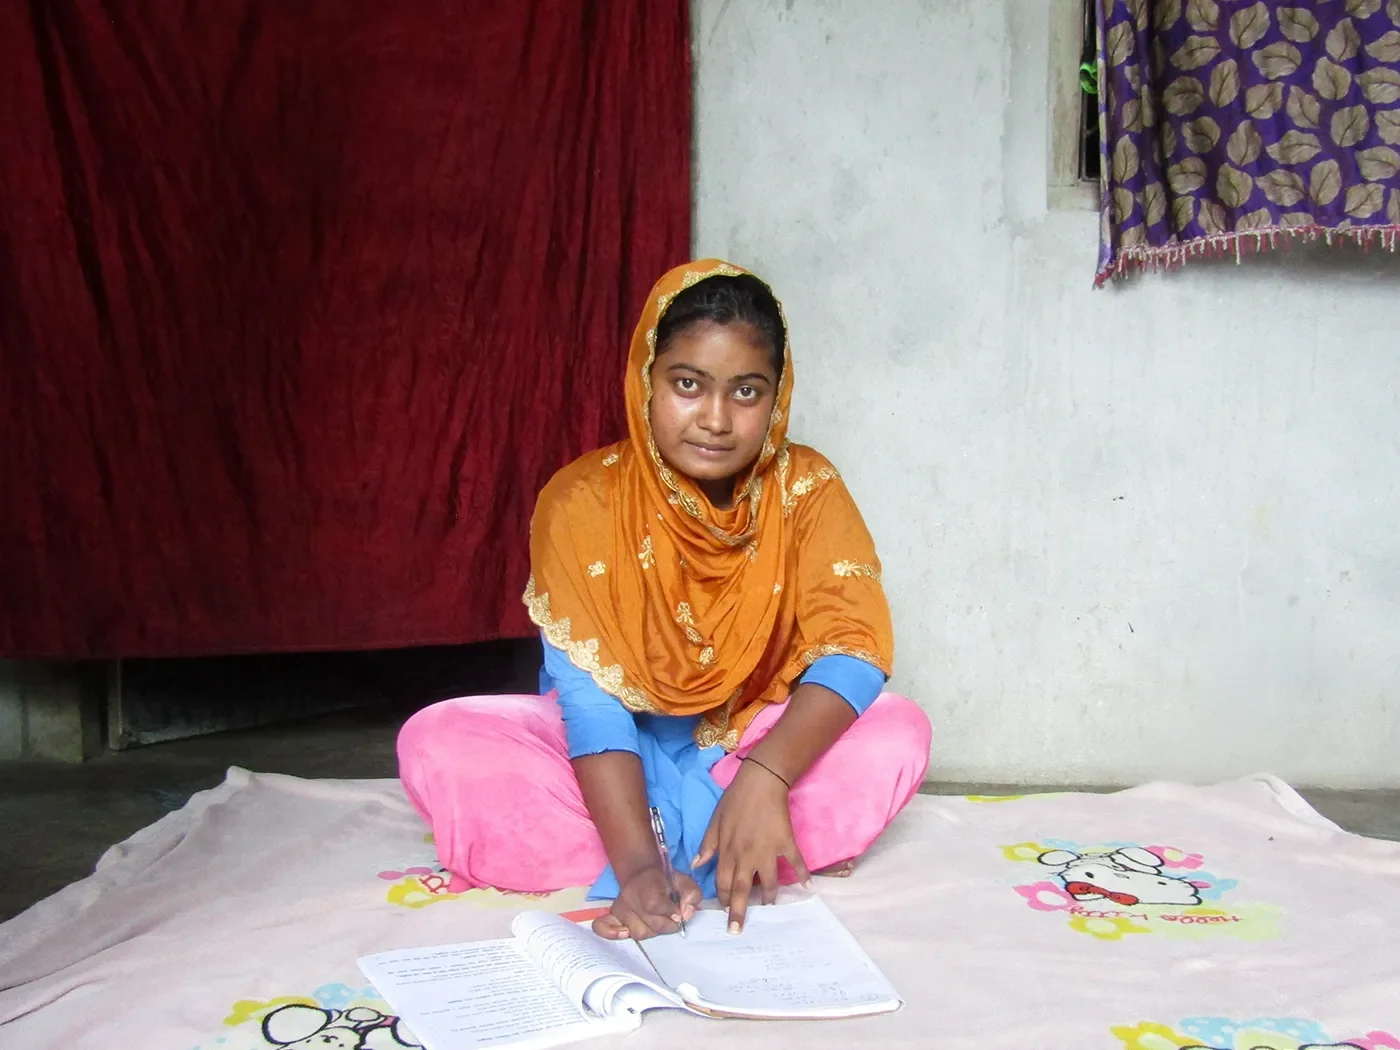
1074	112
1089	96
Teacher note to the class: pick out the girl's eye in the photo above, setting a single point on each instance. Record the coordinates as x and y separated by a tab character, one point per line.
747	393
686	385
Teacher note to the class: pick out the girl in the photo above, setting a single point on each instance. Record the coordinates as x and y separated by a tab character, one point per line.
716	642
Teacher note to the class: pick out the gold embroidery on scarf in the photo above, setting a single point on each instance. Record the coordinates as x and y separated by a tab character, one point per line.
777	588
751	549
815	653
855	568
610	459
597	569
645	555
753	491
707	734
707	656
805	484
686	619
713	727
584	654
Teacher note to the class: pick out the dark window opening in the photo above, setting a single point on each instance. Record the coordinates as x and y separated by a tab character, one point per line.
1089	95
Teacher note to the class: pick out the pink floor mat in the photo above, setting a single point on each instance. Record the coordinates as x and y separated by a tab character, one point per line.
1231	917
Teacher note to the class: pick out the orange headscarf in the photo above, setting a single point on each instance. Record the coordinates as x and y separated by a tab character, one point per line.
676	607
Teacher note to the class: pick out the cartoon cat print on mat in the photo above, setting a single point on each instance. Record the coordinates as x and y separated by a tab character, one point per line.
1115	890
297	1026
334	1016
1128	877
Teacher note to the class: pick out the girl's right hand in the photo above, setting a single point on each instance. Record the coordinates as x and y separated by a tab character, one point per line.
644	907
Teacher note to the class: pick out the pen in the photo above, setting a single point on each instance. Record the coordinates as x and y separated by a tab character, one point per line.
659	830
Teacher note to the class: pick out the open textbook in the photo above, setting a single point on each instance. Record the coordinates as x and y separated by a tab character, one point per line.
556	982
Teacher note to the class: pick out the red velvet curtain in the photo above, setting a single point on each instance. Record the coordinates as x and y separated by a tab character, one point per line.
301	304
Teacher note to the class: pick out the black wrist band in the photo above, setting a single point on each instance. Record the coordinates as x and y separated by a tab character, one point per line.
760	765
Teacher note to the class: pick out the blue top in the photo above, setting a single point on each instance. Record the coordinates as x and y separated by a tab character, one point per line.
677	769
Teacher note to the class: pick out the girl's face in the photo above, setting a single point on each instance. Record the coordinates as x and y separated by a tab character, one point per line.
712	396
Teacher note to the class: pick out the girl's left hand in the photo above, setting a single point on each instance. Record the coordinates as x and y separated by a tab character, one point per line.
750	830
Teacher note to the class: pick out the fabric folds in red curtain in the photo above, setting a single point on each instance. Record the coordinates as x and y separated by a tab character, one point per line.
301	304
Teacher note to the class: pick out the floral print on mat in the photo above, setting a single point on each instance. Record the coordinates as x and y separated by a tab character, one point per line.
1255	1033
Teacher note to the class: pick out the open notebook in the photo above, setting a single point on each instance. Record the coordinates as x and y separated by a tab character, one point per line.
555	982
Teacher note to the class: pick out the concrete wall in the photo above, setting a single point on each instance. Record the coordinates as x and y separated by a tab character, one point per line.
51	710
1146	531
11	712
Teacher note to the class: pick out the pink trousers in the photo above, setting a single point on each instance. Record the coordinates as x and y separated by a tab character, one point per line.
491	775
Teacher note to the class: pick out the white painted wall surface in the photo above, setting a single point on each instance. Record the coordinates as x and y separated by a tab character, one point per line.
1150	531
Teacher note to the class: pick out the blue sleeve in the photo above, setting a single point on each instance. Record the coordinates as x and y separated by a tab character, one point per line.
857	682
594	722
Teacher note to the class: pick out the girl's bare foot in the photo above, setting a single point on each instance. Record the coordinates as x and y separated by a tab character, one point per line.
844	870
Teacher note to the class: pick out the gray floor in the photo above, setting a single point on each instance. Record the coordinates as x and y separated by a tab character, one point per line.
56	820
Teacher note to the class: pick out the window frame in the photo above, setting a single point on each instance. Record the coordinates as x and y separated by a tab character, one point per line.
1067	191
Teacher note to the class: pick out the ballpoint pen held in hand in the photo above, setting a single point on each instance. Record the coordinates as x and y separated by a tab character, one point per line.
660	832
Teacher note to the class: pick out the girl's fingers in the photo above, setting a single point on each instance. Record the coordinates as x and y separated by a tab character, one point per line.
794	857
610	927
768	878
740	886
708	845
638	923
725	872
657	907
690	897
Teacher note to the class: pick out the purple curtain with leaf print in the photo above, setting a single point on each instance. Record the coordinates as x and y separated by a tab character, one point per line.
1226	126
